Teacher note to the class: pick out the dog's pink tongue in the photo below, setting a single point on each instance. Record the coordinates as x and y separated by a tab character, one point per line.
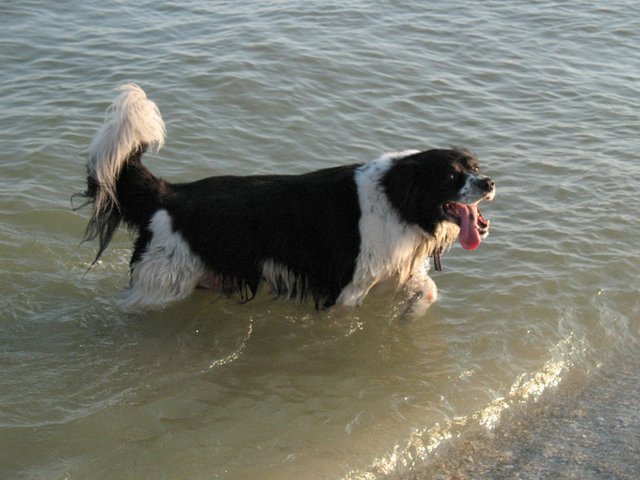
469	234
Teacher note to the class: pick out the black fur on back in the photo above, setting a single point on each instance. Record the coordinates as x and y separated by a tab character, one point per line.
306	223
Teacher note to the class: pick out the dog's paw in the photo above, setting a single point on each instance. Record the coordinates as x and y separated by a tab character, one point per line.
420	299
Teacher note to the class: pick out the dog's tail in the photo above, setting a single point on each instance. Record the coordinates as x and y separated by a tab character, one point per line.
132	125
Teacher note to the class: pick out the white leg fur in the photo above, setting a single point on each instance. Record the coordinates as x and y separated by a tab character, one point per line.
168	270
422	292
282	280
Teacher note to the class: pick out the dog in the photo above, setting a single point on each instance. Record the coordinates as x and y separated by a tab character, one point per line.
330	234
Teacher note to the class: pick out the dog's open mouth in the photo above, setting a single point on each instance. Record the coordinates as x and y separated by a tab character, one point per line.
473	226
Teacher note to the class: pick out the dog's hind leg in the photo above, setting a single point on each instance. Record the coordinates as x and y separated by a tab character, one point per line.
165	271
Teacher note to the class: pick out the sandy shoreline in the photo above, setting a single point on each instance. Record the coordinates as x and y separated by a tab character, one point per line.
585	429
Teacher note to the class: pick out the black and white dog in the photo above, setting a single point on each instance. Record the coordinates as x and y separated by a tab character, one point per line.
331	234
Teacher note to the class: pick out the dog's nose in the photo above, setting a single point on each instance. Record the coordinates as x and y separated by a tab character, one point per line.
487	184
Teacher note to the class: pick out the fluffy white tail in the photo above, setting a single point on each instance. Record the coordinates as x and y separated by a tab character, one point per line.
131	122
132	125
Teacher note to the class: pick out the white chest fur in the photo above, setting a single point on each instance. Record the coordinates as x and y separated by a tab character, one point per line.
389	248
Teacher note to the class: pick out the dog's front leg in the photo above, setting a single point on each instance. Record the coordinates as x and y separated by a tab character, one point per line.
422	293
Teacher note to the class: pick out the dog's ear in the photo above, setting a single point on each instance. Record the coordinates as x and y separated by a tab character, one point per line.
402	186
413	186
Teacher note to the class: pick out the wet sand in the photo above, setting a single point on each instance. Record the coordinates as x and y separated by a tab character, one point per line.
587	428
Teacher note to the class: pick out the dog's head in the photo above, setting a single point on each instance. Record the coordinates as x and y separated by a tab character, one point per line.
436	186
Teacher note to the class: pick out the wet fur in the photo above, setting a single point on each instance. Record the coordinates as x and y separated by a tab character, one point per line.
330	234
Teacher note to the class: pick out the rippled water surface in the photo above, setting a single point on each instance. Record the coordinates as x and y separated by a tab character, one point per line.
547	94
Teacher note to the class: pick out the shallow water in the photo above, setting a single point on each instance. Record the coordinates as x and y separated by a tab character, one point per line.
586	428
545	93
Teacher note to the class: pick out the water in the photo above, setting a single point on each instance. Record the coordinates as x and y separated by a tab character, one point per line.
546	93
